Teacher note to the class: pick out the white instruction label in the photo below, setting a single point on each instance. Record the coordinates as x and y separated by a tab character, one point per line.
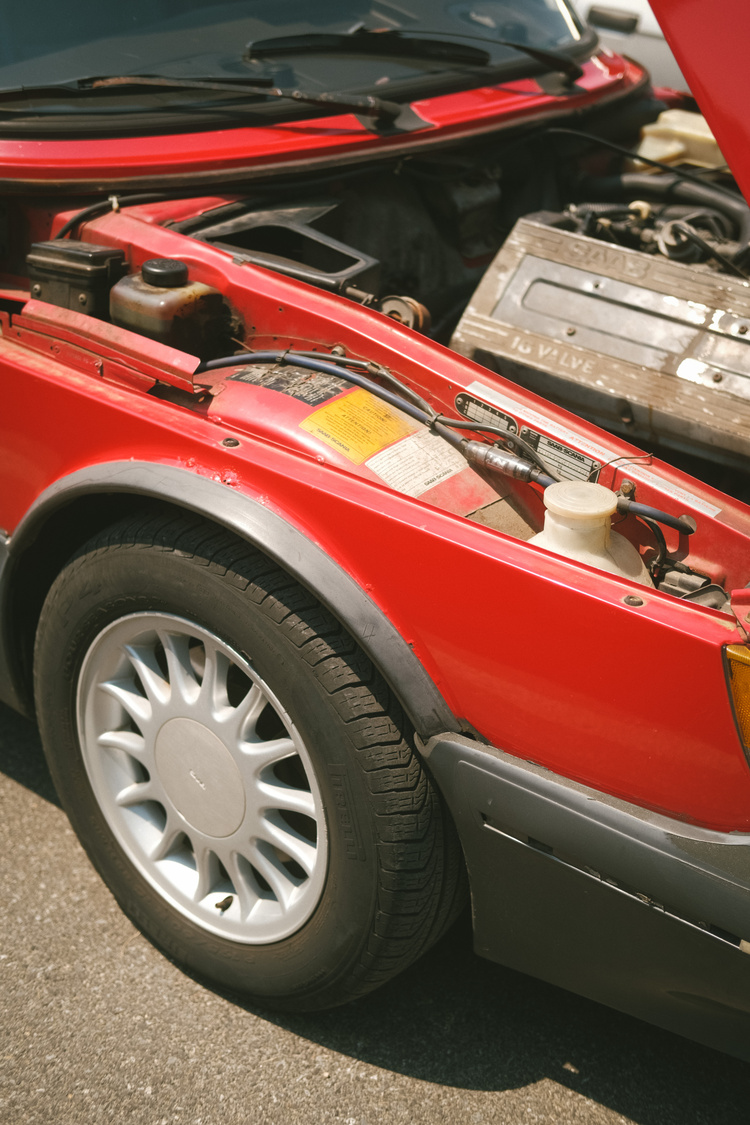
417	463
567	463
673	490
542	422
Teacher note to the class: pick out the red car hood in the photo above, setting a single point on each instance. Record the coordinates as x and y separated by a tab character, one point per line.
709	42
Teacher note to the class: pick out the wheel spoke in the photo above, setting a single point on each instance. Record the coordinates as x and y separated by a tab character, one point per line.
137	706
182	679
245	885
247	713
213	694
127	740
149	673
282	882
258	756
207	864
276	832
169	835
136	794
288	798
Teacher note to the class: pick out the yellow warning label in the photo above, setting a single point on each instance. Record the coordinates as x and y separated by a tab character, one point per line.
358	425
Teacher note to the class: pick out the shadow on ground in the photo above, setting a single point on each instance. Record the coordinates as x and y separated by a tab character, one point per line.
458	1021
21	756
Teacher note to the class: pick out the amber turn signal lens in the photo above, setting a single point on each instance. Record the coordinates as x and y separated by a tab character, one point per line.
738	675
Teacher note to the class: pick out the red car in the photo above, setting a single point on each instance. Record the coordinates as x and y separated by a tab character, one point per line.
325	624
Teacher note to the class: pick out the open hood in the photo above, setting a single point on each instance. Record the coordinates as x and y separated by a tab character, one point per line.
710	45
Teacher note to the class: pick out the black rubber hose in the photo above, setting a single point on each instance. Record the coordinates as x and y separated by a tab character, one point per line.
679	523
328	368
641	185
113	202
661	544
543	479
244	359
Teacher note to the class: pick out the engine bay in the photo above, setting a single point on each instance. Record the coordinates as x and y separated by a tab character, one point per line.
619	295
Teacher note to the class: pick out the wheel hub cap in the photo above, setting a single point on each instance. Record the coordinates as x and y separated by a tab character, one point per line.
200	777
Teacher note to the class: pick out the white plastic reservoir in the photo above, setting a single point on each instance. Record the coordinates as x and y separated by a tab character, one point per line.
577	525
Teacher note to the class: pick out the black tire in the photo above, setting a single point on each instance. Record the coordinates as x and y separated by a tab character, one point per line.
390	878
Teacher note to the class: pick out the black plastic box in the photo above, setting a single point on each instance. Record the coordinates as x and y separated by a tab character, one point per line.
75	275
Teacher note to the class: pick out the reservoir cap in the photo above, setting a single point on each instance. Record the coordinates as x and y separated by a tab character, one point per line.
580	499
164	273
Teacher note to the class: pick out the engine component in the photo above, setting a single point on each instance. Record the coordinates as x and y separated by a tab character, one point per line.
74	275
684	583
681	137
161	303
406	311
295	240
577	525
653	348
467	212
672	188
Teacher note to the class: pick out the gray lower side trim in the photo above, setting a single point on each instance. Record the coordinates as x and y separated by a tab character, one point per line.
629	908
278	539
693	872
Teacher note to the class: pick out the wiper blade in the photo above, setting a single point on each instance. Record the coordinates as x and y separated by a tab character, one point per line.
367	42
401	44
384	112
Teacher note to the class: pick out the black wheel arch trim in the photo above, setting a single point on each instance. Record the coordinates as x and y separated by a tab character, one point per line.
272	534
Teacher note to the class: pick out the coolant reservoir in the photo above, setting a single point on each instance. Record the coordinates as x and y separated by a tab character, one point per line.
680	137
577	525
161	303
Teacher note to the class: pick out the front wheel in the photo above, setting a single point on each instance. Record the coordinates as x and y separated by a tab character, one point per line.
238	772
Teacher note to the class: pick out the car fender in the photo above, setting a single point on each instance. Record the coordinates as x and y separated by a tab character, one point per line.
269	531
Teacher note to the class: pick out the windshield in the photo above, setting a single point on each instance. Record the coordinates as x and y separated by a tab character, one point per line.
47	44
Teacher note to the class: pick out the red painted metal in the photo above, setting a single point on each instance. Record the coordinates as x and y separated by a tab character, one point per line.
709	42
544	657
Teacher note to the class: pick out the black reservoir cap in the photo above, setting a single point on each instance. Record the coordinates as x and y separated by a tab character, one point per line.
164	273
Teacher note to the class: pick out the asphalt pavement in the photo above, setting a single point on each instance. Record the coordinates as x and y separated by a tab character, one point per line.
96	1025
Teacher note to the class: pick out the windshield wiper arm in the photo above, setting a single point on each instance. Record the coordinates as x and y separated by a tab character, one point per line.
405	45
384	112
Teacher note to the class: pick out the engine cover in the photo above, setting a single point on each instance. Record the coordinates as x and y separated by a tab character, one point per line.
655	349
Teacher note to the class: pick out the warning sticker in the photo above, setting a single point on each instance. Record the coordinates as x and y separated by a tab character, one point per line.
358	426
542	422
637	472
567	463
478	411
417	463
311	387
